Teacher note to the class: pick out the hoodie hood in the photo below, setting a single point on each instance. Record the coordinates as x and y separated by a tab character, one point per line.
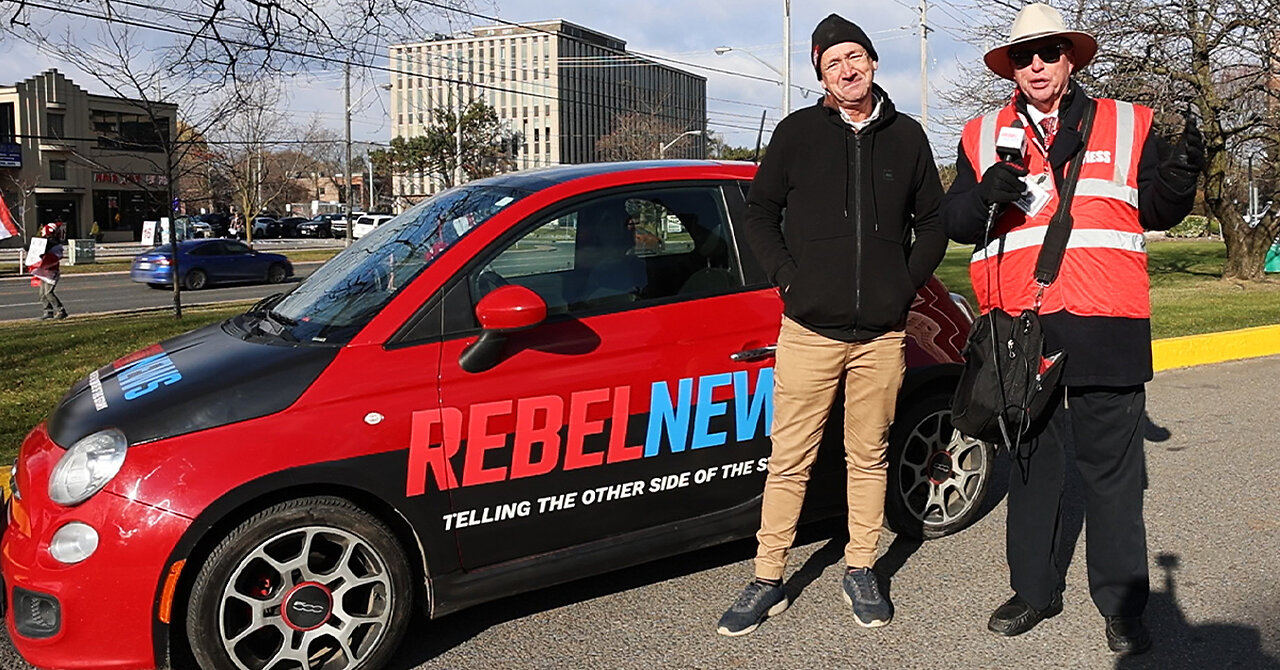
201	379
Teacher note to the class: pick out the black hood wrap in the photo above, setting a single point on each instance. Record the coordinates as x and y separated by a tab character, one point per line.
197	380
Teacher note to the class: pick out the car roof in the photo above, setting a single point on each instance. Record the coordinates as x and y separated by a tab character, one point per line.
541	178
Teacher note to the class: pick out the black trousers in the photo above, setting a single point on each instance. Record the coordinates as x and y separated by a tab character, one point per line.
1105	427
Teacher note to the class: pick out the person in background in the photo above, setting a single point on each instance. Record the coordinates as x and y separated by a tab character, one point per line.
45	274
1098	311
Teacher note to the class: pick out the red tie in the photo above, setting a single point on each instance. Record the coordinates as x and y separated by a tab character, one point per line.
1050	126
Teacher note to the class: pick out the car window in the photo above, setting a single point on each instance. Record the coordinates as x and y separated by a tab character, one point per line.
231	247
203	250
619	250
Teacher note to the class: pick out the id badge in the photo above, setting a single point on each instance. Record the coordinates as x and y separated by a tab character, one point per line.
1039	193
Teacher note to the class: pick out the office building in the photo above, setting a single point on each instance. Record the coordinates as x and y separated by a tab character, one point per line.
560	86
72	156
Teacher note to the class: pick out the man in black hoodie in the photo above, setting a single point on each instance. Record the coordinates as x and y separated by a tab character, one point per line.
860	193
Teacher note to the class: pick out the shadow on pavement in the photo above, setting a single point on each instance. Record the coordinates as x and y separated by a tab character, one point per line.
1181	645
457	629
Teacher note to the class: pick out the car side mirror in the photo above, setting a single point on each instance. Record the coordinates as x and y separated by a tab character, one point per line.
504	310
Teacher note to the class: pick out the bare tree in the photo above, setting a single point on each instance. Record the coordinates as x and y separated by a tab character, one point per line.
637	136
1213	59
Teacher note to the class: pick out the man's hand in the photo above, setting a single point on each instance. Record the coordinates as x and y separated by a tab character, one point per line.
1002	183
1185	163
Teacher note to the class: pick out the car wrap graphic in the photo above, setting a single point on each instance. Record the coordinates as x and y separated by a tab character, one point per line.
543	434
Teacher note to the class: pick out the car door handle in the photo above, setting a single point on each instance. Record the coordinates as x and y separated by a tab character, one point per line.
753	354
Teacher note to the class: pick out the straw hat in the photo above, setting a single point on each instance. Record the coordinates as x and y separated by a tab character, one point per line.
1034	22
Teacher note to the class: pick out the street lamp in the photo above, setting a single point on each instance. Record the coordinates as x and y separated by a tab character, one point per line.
786	77
662	148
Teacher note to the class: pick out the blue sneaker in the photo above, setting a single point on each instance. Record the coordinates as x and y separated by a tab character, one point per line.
862	592
757	602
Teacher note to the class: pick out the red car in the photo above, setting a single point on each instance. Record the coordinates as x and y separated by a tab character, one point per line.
496	391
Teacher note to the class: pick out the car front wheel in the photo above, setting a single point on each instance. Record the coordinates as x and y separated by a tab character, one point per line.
309	583
276	273
938	478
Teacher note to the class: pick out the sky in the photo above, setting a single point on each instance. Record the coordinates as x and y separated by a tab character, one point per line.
687	31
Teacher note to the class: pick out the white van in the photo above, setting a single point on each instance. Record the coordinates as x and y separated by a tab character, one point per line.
366	224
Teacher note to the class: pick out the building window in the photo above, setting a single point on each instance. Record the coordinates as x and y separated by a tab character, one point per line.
58	170
57	125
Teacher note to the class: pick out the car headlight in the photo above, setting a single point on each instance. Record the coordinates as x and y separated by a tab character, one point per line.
87	467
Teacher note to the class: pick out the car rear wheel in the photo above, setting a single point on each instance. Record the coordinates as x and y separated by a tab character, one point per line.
276	273
196	280
938	478
314	583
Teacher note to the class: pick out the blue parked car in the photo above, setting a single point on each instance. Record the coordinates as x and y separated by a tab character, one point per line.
204	262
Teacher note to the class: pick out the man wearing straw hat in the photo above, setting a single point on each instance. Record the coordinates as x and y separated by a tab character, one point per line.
1097	310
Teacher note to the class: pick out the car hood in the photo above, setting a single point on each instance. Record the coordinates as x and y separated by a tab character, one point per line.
202	379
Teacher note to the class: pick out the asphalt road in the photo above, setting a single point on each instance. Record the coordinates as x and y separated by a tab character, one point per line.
113	291
1213	533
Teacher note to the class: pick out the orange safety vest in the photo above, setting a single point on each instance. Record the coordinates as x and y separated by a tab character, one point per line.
1104	268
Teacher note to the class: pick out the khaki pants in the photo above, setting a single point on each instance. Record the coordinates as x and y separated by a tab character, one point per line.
48	300
808	372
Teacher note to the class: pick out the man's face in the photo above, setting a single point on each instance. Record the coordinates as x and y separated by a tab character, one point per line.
1041	69
847	72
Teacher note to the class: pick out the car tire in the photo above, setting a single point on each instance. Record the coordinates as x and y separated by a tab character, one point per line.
276	273
195	280
938	478
367	611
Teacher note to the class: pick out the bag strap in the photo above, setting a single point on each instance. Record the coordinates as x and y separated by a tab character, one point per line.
1055	239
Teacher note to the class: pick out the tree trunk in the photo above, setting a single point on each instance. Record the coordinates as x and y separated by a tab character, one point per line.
1246	251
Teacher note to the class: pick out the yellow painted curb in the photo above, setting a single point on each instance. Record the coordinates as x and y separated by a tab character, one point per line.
4	480
1189	350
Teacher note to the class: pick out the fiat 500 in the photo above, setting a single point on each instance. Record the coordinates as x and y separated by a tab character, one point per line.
501	389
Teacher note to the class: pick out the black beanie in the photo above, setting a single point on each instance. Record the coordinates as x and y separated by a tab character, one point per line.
835	30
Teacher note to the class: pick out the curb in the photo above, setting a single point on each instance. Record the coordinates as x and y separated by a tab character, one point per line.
1166	354
1191	350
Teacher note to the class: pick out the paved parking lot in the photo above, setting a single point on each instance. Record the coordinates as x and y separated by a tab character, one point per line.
1213	532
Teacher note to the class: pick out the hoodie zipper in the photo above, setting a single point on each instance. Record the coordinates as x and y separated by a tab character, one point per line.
857	227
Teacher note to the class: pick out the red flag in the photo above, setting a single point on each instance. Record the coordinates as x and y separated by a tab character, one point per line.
7	227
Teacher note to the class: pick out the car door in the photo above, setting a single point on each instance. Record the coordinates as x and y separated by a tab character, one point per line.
633	406
240	262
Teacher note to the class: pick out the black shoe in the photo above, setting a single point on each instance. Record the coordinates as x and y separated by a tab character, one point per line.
1127	636
1017	616
861	591
757	602
61	315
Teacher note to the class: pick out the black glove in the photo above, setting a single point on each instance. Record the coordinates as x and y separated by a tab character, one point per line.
1185	163
1002	183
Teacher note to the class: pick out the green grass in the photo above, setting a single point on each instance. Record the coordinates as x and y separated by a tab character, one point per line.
42	360
1188	296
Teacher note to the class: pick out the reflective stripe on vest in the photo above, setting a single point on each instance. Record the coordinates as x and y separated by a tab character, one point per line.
1096	238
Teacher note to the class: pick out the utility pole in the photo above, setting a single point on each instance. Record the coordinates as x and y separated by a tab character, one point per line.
346	199
786	57
457	131
924	66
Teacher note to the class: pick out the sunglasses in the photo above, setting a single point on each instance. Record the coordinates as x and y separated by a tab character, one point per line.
1049	53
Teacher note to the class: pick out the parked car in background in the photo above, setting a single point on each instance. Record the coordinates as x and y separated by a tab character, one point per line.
214	224
320	226
493	392
265	227
211	261
339	223
366	224
289	225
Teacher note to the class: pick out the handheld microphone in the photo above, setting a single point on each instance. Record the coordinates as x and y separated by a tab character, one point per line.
1011	145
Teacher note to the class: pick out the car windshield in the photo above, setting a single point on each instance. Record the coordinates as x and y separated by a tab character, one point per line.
345	293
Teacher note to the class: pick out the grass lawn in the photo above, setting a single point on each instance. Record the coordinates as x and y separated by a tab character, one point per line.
42	360
1188	297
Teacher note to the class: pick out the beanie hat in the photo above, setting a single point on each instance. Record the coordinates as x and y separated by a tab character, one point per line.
835	30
